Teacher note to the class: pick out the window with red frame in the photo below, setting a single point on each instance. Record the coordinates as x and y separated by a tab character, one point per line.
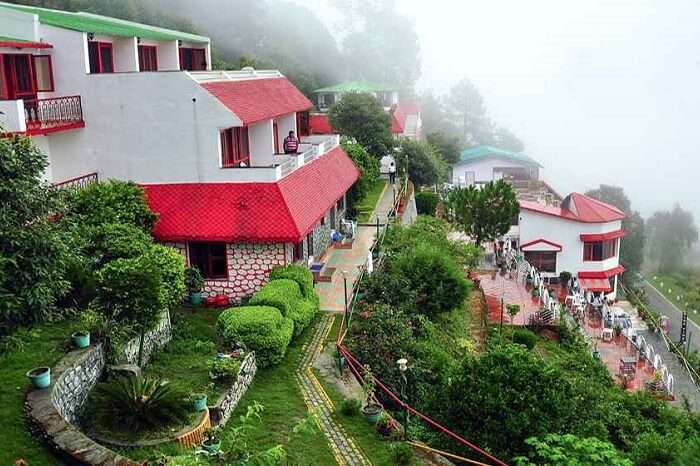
18	81
148	58
101	57
543	261
298	251
210	259
43	72
303	124
234	147
599	250
193	59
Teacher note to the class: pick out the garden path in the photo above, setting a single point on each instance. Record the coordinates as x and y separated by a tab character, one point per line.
344	447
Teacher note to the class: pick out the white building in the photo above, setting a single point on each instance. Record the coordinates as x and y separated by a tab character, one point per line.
482	164
582	237
106	98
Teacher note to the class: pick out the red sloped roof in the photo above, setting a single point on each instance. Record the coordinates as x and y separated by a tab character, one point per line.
578	208
396	125
541	241
285	211
401	113
254	100
319	124
602	236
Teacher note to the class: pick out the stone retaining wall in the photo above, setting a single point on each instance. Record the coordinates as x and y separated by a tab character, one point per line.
79	372
221	412
153	340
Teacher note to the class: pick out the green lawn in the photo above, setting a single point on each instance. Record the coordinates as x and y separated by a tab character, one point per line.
366	205
43	345
673	286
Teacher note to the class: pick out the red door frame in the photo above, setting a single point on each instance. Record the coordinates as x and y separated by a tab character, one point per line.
9	71
276	134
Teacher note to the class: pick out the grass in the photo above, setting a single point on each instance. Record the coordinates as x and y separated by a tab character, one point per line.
677	285
366	205
43	345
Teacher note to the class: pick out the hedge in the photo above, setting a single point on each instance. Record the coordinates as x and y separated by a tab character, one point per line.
285	295
426	203
303	314
262	329
300	274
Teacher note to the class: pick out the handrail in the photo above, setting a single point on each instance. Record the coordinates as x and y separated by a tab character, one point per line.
53	112
77	182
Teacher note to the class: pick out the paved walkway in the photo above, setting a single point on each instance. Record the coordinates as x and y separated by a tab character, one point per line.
662	305
512	292
317	400
350	260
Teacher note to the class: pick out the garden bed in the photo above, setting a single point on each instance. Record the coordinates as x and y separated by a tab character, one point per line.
367	204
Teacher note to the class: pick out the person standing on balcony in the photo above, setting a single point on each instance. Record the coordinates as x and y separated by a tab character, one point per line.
291	144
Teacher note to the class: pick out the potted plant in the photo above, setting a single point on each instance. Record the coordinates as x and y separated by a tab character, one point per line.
371	410
40	377
535	294
564	278
212	441
617	330
81	339
199	401
194	283
386	425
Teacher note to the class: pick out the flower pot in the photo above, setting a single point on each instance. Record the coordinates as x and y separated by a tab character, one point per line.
211	446
81	339
196	298
200	404
40	377
372	412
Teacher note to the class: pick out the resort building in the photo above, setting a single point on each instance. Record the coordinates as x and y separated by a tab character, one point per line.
481	164
112	99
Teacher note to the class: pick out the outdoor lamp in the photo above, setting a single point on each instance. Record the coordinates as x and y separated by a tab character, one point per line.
403	364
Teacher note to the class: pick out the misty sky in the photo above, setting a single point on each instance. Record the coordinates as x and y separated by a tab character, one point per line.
599	91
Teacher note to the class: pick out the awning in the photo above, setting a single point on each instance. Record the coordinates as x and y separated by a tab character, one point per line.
602	236
595	284
603	273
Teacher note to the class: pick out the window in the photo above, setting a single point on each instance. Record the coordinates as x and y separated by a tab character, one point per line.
193	59
210	259
599	250
298	251
340	205
234	147
17	77
303	124
148	58
44	73
544	261
101	57
310	244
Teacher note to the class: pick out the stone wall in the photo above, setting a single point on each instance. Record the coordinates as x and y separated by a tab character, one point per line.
154	340
53	410
221	412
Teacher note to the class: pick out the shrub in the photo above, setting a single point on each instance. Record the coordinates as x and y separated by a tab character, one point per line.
426	202
401	453
111	202
116	241
285	295
525	337
193	280
263	329
300	274
302	315
564	277
225	369
139	403
350	406
172	271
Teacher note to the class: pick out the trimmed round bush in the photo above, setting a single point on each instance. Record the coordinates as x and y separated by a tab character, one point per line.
302	315
426	202
262	329
300	274
285	295
525	337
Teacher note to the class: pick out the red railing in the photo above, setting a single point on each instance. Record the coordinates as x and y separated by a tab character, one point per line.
53	114
78	182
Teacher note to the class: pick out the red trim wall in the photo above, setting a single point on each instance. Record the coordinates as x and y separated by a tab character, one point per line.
603	274
25	45
595	237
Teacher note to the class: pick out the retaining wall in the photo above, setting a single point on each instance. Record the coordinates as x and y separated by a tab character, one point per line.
221	412
153	340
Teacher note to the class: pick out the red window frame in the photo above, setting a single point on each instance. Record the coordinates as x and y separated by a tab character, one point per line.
99	67
148	58
303	127
196	65
608	249
10	89
276	135
50	66
203	256
235	147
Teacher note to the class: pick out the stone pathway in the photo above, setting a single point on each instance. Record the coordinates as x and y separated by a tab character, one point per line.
317	400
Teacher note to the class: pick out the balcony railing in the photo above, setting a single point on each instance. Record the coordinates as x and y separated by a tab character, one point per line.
54	114
78	182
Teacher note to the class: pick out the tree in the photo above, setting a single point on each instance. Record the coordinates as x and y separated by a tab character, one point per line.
570	450
361	117
467	106
368	166
447	147
504	138
632	245
34	251
486	213
672	234
424	165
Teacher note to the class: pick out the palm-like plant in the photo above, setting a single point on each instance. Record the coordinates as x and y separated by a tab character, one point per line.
140	403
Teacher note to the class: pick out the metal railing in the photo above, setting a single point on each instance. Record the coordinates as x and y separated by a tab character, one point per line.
53	113
78	182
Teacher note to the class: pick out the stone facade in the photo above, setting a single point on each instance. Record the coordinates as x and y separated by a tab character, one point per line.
79	372
153	340
221	412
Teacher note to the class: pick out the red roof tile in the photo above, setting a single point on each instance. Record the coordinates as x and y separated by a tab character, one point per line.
401	113
578	208
530	244
285	211
254	100
319	124
602	236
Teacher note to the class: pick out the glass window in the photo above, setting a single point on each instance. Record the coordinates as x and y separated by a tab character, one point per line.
101	57
148	58
544	261
210	259
193	59
298	251
234	147
599	250
44	73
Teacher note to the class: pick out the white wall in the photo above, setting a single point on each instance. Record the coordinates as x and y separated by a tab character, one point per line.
168	53
483	168
567	233
126	54
19	25
261	143
285	124
12	116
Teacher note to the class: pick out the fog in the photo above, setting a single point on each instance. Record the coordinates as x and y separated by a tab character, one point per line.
599	91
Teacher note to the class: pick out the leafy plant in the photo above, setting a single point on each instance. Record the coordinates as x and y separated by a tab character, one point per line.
426	202
425	167
194	282
362	117
401	453
300	274
224	369
368	385
564	277
525	337
350	407
140	403
368	165
285	295
568	449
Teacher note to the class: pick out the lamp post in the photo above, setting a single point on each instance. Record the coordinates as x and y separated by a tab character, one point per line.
345	295
403	367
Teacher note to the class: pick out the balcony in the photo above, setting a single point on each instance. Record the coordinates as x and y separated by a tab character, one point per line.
311	148
41	116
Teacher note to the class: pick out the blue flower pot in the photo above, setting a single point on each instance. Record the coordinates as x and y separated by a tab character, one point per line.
196	297
81	339
212	447
200	404
372	413
40	377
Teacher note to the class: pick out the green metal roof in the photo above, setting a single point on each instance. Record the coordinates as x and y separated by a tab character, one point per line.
357	86
481	152
88	22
